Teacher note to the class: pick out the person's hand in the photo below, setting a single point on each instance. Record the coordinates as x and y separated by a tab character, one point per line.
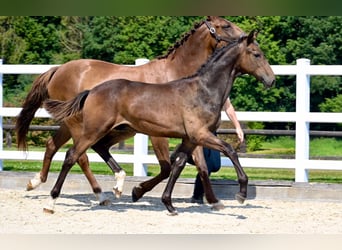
240	134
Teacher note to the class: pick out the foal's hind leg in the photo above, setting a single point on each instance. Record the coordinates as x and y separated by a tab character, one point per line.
52	145
181	157
161	150
202	169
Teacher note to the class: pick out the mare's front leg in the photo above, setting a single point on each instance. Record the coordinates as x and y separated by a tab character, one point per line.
161	150
199	160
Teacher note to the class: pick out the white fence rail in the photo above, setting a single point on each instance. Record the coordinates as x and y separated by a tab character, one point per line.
140	157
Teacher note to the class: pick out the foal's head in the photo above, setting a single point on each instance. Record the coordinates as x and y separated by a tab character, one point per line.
254	62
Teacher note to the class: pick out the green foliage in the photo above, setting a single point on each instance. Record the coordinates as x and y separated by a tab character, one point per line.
254	142
124	39
332	104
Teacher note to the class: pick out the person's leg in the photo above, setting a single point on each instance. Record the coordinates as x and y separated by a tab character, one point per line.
213	160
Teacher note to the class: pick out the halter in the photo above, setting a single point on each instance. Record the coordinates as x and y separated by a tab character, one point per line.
218	38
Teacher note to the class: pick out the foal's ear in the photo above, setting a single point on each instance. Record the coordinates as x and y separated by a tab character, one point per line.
252	36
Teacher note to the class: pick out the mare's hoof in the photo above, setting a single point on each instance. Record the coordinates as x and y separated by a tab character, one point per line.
48	211
240	198
136	194
106	202
217	206
29	186
117	193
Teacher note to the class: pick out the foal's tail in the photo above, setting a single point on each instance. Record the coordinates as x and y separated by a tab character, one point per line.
61	110
34	99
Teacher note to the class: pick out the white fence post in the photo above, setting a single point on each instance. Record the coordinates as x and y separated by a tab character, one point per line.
1	127
140	142
302	124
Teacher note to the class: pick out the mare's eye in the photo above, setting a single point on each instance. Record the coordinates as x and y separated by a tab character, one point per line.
257	55
227	26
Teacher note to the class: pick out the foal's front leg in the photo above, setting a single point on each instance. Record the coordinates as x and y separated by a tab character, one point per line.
213	142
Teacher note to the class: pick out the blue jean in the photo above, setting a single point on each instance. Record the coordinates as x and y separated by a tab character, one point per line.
213	160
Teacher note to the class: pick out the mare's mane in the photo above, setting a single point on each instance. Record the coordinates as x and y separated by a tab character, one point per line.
182	40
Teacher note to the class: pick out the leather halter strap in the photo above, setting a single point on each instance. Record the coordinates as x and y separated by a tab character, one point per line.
213	33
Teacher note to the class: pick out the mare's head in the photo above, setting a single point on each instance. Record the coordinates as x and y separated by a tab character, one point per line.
253	61
222	31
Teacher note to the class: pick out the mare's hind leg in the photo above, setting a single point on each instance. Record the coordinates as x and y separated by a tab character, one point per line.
71	157
202	169
161	150
84	164
52	145
102	148
120	174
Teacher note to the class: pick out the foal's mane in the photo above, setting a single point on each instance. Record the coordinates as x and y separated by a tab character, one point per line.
182	40
215	56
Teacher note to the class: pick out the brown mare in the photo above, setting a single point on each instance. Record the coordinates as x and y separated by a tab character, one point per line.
188	108
66	81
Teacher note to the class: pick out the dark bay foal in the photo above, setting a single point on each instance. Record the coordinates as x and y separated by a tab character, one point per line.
188	108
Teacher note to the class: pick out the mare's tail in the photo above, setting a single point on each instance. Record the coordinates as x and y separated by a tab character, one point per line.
37	95
61	110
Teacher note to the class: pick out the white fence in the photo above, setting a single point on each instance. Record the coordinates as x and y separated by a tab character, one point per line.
140	157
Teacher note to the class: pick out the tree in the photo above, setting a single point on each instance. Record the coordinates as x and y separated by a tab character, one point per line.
124	39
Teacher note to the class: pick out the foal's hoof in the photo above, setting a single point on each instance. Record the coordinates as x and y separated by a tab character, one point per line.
117	192
217	206
105	203
136	193
48	211
240	198
172	213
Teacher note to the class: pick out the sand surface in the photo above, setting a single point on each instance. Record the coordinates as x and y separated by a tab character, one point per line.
75	213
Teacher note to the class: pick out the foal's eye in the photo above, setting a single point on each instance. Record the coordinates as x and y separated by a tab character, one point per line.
257	55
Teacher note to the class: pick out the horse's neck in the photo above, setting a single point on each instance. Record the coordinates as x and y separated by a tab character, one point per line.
188	57
219	75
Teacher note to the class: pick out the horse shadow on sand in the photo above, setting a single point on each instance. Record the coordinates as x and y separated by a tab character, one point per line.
87	202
